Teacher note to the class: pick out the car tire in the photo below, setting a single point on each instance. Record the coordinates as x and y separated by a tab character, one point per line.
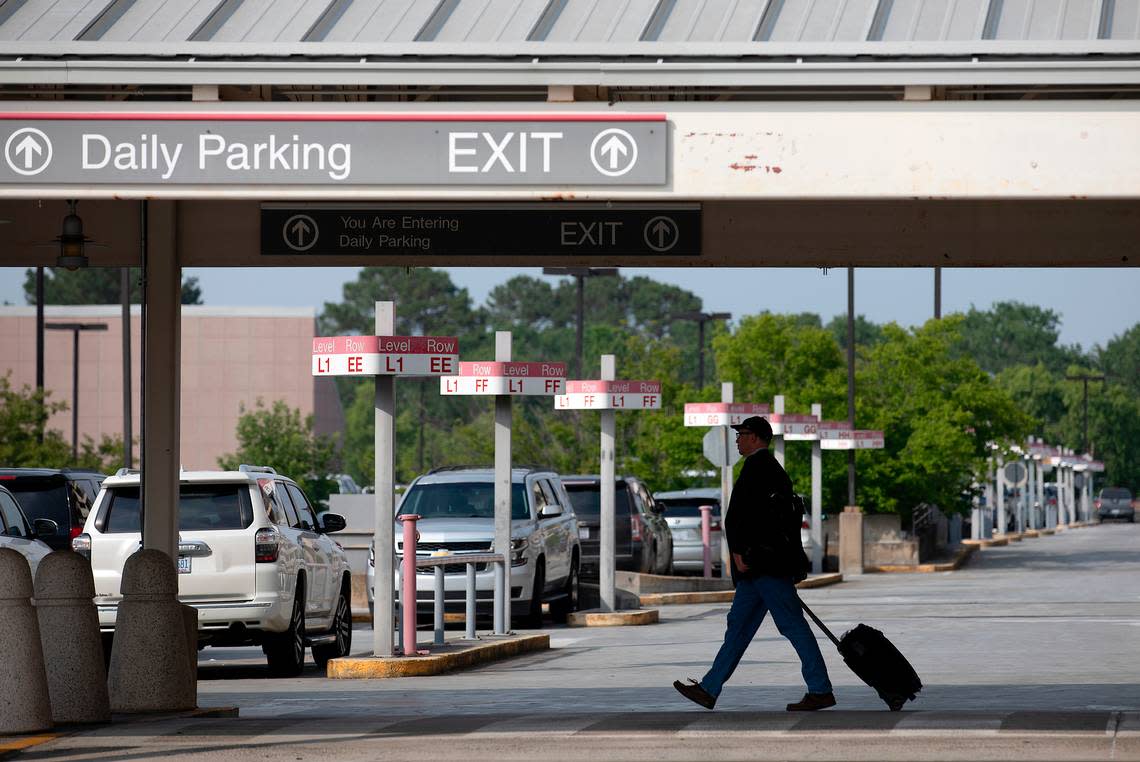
342	629
561	609
285	651
533	618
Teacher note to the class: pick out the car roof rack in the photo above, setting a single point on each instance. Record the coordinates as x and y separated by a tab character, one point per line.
467	467
247	468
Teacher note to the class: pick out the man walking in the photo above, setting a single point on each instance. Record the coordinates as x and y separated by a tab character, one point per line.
767	561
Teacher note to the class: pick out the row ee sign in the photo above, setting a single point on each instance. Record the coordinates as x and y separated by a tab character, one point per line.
385	355
509	378
721	413
610	395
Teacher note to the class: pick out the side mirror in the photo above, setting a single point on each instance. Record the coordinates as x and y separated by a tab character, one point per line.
45	528
332	522
550	510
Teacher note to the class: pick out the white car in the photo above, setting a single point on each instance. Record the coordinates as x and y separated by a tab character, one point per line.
254	558
457	514
18	535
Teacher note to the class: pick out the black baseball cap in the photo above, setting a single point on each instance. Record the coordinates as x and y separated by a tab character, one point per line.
756	425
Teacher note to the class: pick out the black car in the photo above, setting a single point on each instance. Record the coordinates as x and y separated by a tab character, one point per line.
64	496
1115	503
642	540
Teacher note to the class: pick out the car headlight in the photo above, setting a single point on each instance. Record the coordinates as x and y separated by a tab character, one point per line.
518	551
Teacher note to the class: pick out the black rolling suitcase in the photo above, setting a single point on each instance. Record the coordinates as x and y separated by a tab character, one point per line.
876	661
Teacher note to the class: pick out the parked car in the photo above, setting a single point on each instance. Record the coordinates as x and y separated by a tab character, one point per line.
22	536
253	557
642	540
1115	503
683	515
456	506
62	495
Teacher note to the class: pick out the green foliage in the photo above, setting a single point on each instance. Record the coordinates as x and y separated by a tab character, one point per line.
1120	359
867	334
1011	333
277	436
95	285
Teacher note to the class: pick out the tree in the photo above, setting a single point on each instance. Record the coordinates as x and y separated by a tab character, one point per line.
277	436
1040	394
95	285
1012	333
1120	359
867	334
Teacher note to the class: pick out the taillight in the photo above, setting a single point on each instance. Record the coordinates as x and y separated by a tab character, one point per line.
714	526
267	542
805	525
635	527
81	544
1096	503
75	532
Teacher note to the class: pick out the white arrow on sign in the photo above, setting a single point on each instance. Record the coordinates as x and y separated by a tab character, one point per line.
300	232
28	151
613	152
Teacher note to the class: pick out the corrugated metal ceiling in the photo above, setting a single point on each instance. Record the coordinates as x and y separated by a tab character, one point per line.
566	21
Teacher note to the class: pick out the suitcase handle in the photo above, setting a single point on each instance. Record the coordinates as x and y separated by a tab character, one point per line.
818	623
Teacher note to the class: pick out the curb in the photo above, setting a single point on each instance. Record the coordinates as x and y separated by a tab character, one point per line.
1030	533
1045	532
725	596
997	542
1010	536
12	745
371	667
627	618
960	558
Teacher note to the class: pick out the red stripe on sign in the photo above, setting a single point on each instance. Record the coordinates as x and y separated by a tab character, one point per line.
786	418
513	369
613	387
135	116
739	408
389	345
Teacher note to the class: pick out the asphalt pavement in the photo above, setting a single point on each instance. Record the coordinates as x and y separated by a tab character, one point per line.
1028	652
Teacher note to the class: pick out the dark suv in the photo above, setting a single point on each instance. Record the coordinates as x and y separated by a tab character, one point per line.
642	540
62	495
1115	503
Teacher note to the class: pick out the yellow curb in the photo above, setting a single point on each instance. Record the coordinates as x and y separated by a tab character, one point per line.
1044	532
12	744
363	668
1011	536
1030	533
820	580
701	596
997	542
629	618
959	559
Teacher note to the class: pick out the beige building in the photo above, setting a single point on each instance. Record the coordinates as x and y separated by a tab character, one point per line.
231	356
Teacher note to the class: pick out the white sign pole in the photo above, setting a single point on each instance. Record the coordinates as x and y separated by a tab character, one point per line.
817	499
383	539
502	491
725	483
1046	520
778	439
608	496
999	500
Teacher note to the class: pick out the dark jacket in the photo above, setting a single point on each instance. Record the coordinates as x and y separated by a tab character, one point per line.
757	524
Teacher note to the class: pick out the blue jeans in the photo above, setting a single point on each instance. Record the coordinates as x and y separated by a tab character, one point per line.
755	598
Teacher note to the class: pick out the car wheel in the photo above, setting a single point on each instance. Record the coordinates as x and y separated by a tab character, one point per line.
563	607
285	651
533	619
342	629
649	567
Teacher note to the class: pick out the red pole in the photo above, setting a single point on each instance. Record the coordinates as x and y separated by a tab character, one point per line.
408	593
706	538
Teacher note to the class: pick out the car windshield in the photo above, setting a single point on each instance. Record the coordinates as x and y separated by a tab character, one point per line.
461	500
687	507
200	507
587	500
42	498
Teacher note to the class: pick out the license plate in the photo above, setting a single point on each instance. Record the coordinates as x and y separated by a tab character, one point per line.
583	533
184	564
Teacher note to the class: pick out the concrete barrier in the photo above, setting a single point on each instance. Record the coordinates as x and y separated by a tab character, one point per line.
24	702
69	632
151	668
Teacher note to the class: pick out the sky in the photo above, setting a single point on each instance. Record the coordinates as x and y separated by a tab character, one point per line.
1095	304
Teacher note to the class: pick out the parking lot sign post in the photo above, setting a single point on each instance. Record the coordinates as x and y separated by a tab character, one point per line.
383	357
817	497
504	380
608	395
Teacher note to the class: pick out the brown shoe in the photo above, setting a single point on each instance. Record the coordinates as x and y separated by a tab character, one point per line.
813	701
695	693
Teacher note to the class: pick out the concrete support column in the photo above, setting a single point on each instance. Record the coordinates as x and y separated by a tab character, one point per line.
726	392
778	440
503	417
384	474
608	497
999	495
851	541
161	370
817	499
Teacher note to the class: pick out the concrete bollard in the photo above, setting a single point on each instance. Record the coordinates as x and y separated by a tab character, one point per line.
150	662
72	646
24	703
851	541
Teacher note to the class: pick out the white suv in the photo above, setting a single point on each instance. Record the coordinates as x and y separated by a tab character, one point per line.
254	558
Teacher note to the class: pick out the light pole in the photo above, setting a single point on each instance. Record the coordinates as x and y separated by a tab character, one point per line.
701	318
75	328
580	274
1085	377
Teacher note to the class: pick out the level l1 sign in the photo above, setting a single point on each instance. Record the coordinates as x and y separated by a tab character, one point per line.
385	355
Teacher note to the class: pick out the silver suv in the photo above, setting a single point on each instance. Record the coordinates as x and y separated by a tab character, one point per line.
254	558
457	513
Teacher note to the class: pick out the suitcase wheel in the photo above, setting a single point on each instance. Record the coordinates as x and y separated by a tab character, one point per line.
895	703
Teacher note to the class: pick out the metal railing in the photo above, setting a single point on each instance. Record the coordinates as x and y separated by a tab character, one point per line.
470	560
